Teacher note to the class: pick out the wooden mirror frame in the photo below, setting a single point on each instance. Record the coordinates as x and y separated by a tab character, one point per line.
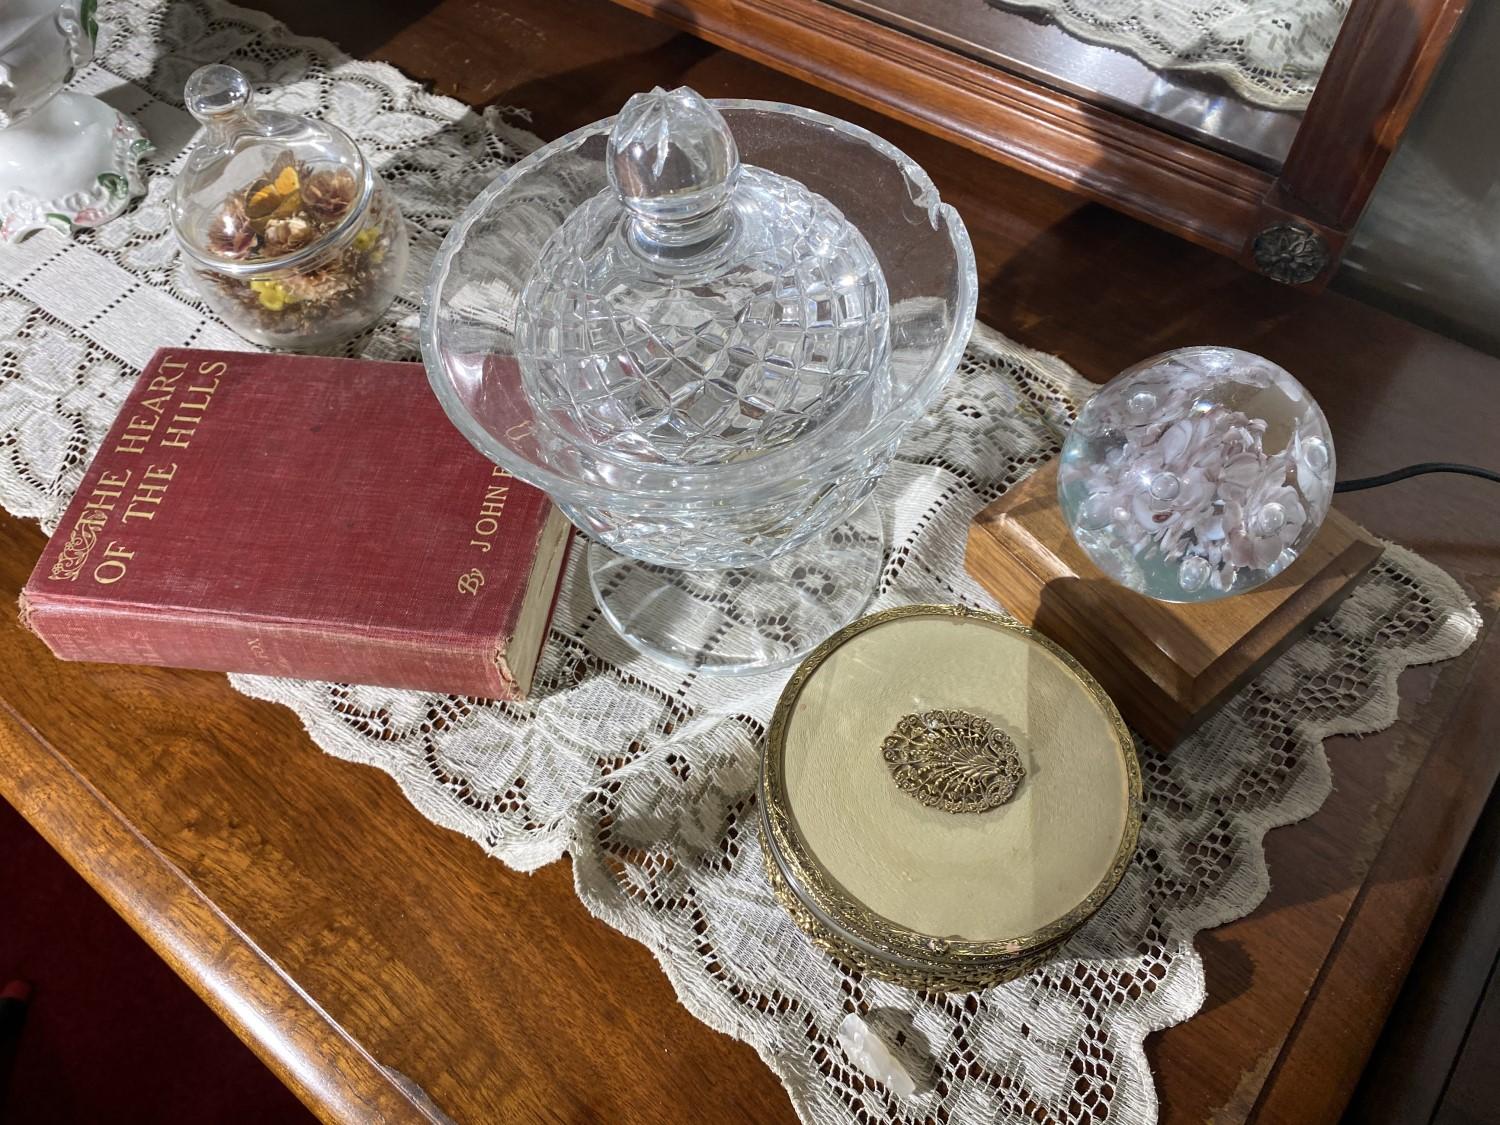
1290	224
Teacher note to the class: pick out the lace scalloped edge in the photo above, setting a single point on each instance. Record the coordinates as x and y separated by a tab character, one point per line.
1180	998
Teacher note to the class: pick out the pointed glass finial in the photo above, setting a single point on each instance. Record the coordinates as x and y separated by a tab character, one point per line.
674	164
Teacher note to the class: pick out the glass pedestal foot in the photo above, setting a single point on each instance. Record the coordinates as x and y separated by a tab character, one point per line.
754	619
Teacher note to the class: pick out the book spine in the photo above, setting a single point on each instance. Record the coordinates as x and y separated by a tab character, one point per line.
125	634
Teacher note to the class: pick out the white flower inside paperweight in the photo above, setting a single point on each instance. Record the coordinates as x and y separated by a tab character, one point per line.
1197	474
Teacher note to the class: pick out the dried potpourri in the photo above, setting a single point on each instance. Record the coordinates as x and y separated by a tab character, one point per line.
285	211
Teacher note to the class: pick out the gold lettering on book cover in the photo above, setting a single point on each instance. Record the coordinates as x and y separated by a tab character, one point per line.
149	492
138	431
111	567
183	424
161	395
490	510
106	491
97	505
470	583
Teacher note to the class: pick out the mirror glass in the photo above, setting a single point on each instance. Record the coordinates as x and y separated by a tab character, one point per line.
1235	75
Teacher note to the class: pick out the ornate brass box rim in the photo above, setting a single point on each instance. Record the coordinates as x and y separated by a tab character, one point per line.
870	941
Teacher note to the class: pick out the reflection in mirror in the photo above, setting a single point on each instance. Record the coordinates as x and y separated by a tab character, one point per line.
1232	74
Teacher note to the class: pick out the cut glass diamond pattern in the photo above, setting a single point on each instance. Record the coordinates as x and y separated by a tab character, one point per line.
736	350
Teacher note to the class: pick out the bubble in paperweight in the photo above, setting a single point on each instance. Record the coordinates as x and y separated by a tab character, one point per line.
1197	474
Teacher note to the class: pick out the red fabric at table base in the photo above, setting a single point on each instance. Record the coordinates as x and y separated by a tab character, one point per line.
111	1034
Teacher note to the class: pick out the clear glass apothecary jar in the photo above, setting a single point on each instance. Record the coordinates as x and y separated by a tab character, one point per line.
290	234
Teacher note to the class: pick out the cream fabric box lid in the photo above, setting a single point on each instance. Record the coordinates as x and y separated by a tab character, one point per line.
945	788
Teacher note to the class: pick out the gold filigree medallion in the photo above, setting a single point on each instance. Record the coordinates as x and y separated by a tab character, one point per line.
954	761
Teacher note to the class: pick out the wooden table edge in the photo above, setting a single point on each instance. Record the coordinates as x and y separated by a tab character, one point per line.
1324	1043
307	1050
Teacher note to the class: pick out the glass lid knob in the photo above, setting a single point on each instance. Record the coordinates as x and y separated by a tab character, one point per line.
214	91
673	162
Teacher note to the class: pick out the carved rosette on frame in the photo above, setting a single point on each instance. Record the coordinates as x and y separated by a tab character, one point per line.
1291	253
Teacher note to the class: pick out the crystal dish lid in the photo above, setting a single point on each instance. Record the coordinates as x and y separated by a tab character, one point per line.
699	311
288	164
470	311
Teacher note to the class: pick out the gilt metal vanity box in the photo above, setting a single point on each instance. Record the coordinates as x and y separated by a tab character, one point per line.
946	796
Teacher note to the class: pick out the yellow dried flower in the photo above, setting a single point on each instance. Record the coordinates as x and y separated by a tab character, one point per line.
366	238
273	294
274	196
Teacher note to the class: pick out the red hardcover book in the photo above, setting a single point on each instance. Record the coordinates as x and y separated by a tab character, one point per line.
300	516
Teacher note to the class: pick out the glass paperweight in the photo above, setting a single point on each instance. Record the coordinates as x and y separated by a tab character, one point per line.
290	235
702	327
1197	474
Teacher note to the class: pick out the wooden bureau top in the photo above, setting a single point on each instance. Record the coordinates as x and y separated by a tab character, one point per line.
365	953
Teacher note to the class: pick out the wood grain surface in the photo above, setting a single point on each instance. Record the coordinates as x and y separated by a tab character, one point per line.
1423	1053
366	953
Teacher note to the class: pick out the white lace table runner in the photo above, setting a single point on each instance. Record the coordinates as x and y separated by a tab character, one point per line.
1269	51
646	777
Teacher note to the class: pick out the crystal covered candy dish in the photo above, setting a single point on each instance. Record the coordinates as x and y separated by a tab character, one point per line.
702	328
1197	474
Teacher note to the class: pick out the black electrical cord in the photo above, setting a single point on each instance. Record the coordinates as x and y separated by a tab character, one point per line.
1425	467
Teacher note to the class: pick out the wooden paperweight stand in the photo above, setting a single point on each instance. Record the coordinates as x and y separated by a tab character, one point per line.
1167	666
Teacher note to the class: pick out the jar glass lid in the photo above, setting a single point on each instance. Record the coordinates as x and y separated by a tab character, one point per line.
939	778
261	186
